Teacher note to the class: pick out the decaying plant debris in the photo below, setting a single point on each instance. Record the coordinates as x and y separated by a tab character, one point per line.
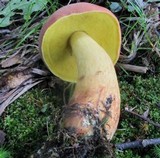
66	145
150	18
18	75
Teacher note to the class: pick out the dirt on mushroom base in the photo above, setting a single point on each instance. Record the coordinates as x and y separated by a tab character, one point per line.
68	145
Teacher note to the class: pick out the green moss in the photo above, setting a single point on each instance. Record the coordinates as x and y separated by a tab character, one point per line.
126	154
30	120
141	94
4	153
33	118
156	151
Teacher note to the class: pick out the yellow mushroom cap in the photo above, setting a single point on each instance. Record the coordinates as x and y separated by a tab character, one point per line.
98	22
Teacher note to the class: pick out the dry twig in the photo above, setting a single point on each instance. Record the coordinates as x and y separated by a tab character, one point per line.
130	110
134	68
138	144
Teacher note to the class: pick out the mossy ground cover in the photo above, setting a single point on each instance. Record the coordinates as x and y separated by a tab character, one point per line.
141	94
30	120
34	117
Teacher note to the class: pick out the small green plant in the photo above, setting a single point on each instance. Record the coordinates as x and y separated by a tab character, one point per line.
156	151
27	8
4	153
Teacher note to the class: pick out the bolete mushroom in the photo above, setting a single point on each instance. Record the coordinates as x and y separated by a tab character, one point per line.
81	43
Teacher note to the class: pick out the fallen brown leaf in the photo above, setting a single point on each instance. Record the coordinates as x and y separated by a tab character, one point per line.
13	60
17	92
13	80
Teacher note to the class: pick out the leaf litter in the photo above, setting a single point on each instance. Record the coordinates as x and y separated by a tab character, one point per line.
145	33
20	72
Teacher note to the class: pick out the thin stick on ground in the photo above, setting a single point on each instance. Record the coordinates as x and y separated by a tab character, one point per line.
127	109
134	68
138	144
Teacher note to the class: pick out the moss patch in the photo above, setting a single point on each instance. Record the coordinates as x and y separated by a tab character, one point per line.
30	120
140	93
34	117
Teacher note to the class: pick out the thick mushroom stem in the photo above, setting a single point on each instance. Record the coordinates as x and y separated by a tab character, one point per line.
96	97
